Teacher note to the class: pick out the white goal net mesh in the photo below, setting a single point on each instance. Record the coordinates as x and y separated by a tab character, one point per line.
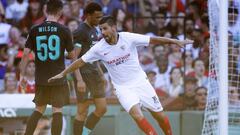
211	118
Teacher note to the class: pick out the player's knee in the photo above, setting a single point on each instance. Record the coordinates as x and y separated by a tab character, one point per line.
101	111
41	109
137	117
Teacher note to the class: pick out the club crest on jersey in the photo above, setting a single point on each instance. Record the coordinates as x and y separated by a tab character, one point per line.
123	47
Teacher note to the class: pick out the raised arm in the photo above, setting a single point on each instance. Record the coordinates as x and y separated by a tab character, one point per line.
75	65
164	40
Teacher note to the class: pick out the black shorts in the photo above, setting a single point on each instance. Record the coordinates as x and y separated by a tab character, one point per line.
94	87
57	96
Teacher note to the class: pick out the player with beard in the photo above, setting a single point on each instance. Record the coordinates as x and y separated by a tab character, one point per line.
118	53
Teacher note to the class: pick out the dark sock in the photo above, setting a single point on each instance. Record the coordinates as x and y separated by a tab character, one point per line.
78	127
32	122
92	121
56	124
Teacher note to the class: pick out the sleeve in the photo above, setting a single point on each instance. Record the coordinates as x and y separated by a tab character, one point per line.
138	39
29	42
69	41
78	38
90	56
9	13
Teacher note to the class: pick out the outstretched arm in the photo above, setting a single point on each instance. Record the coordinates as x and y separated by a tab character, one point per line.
75	65
163	40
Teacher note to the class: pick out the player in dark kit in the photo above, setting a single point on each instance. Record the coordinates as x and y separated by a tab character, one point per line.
90	78
49	41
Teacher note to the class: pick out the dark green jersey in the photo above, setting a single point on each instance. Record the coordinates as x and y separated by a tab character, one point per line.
49	41
85	37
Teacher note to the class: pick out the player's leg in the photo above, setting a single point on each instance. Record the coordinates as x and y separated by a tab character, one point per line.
141	121
79	121
151	101
59	96
95	84
56	121
34	118
40	100
163	121
130	102
94	117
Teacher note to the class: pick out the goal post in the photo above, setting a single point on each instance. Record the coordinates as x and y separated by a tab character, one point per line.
222	113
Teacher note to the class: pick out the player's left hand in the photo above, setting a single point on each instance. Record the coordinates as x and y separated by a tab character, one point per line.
58	76
184	42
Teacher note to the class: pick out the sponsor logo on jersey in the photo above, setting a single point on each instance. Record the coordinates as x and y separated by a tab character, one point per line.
119	60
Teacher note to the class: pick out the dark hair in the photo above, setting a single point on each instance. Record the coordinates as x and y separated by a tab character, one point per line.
194	61
91	8
107	19
54	6
201	87
171	71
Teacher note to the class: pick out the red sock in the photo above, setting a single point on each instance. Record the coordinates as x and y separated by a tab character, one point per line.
146	127
165	125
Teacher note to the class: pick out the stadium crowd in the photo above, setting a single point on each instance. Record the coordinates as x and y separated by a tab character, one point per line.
179	75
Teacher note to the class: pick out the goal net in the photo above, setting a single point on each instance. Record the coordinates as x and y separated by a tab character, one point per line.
211	118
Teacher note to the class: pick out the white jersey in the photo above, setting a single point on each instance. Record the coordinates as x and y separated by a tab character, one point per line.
121	59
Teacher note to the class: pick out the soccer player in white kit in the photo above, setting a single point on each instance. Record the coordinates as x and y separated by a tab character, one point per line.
118	53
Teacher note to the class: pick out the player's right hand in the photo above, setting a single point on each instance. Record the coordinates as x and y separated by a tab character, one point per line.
58	76
81	86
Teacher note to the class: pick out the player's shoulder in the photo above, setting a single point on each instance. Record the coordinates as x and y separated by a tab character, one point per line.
81	28
126	34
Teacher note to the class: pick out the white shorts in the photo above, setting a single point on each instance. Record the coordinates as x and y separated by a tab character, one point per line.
143	94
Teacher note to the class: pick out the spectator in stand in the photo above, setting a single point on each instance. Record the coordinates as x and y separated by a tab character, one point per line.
201	98
180	22
4	31
146	60
128	23
27	84
33	16
15	50
109	5
16	11
3	65
160	20
77	9
175	88
119	15
175	57
188	57
72	24
131	6
162	70
2	10
160	50
67	14
204	52
188	97
199	73
11	82
194	12
151	77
